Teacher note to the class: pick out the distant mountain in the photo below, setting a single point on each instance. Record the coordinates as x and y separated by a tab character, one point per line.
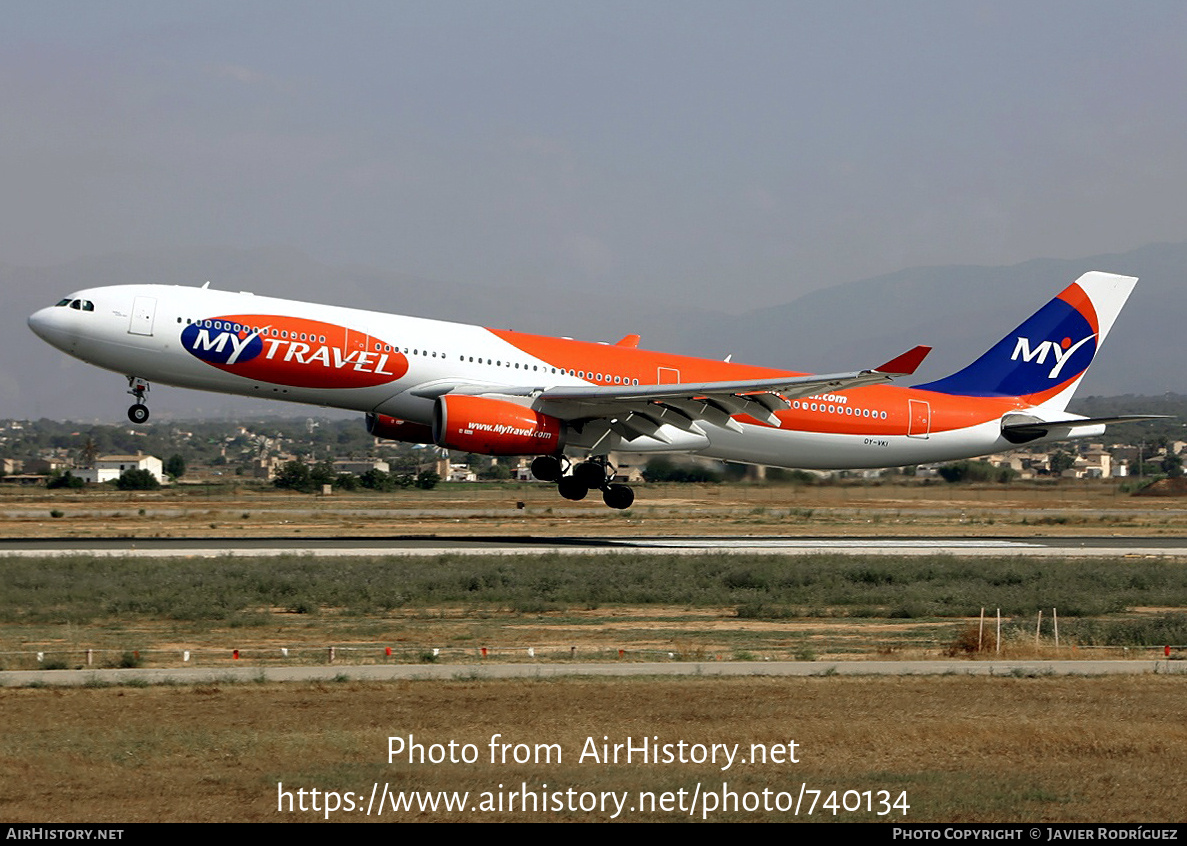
959	310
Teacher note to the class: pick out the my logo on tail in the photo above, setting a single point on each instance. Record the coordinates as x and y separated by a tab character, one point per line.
1061	352
1051	348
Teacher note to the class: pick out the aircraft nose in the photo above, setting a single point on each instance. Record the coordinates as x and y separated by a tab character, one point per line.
38	321
46	324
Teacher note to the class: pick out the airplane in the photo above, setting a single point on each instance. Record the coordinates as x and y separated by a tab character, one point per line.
571	403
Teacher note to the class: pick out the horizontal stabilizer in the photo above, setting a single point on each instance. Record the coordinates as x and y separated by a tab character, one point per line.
1030	430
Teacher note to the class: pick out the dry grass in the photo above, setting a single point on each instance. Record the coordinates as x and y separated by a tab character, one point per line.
964	749
1079	507
641	633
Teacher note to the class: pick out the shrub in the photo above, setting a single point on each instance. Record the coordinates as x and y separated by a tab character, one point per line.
663	469
976	471
64	480
175	466
295	476
427	480
137	480
966	642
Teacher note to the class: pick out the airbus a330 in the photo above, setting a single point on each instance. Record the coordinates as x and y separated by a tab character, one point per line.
571	403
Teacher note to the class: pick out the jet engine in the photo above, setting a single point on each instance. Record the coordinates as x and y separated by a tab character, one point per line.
494	427
394	429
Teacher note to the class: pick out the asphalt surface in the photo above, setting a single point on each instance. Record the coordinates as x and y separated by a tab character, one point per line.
467	672
1169	547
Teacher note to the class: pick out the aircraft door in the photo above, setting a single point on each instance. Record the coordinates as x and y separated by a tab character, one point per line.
144	310
668	376
919	425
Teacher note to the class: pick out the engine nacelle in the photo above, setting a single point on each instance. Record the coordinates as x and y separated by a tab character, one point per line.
495	427
395	429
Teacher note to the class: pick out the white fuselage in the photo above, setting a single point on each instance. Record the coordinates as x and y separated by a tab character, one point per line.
239	343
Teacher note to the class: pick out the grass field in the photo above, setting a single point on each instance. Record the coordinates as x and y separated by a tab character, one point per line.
954	749
615	607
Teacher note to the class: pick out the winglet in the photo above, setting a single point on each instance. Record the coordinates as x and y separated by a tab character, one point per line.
631	341
905	364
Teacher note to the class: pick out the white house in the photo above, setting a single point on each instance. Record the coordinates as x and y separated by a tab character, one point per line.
109	467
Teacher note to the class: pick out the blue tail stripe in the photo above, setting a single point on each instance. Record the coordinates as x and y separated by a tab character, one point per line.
1050	349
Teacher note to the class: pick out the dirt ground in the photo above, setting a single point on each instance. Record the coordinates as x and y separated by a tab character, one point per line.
521	509
468	637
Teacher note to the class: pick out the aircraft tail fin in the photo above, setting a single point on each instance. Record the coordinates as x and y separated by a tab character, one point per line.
1044	359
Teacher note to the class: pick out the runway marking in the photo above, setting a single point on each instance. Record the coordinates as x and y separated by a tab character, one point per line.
899	547
816	544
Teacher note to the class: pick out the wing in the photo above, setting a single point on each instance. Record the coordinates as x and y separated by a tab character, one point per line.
641	410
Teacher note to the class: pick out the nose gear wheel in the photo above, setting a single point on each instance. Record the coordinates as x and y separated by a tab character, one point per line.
138	387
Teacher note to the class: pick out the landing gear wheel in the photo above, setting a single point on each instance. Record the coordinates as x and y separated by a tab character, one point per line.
591	473
618	496
571	487
547	468
138	387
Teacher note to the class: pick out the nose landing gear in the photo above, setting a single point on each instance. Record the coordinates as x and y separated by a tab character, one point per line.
594	473
138	387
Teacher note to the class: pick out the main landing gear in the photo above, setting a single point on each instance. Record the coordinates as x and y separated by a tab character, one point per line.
592	473
138	387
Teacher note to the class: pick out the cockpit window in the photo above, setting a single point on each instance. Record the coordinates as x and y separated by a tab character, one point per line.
76	304
62	302
81	305
87	305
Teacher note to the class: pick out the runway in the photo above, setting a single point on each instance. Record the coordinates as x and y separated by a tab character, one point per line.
411	545
698	669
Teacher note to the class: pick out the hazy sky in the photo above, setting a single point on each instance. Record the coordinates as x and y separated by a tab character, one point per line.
731	153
